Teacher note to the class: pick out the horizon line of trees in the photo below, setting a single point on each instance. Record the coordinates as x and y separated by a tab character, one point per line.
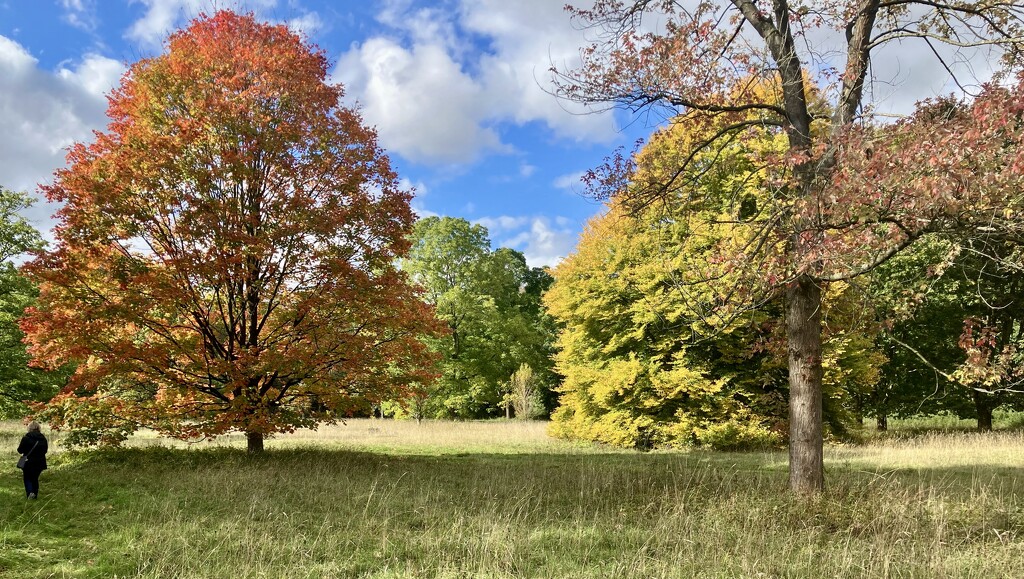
500	330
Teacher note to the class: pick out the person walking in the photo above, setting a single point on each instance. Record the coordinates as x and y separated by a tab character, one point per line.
33	445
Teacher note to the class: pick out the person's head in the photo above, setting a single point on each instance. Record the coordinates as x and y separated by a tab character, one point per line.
33	426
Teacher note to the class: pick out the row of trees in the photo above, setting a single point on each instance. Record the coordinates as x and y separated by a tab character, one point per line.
660	345
235	252
848	193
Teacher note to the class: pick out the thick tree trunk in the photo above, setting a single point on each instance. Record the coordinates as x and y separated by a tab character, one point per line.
883	422
803	333
254	442
984	408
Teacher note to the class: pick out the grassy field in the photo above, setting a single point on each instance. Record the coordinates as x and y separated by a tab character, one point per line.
500	499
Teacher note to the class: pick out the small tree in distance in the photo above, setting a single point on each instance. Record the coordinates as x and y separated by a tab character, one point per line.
523	396
225	258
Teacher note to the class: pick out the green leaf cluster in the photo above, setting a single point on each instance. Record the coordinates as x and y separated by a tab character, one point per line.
490	302
926	295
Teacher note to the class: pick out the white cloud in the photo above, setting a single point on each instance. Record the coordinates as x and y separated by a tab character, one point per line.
96	74
904	73
570	181
502	224
43	112
544	243
434	98
306	25
80	14
421	211
418	188
14	58
528	37
423	25
422	104
162	17
526	170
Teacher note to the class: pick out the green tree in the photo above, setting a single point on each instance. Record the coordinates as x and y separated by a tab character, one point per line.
937	363
17	236
18	382
490	301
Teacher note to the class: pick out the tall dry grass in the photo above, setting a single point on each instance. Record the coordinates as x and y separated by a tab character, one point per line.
390	499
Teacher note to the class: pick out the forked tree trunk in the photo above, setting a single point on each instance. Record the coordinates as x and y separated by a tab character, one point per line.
254	442
803	334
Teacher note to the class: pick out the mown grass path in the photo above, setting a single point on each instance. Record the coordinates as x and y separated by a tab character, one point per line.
380	499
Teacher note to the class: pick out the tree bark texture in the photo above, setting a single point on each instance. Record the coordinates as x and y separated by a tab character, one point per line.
803	333
254	442
984	407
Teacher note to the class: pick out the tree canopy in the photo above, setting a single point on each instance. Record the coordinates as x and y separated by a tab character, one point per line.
490	302
225	258
952	334
650	355
19	384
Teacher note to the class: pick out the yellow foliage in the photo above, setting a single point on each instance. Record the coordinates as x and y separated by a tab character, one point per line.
661	344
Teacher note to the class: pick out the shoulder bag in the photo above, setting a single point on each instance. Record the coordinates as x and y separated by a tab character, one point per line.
24	458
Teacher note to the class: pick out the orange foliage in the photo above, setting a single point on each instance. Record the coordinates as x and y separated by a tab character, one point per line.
226	249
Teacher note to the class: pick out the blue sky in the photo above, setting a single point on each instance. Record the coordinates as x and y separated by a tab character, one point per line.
458	91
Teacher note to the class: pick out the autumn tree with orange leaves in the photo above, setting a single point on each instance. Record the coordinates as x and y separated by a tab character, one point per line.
225	258
849	192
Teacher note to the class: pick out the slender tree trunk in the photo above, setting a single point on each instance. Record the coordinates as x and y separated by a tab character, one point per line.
984	408
254	442
883	422
803	333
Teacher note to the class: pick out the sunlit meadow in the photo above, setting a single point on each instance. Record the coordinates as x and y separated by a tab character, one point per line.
382	498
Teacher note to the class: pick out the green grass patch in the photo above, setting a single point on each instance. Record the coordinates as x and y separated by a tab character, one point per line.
373	502
932	423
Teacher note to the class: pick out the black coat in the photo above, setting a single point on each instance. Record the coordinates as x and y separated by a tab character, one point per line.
37	457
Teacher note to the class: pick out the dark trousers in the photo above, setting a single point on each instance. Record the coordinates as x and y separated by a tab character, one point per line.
31	475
